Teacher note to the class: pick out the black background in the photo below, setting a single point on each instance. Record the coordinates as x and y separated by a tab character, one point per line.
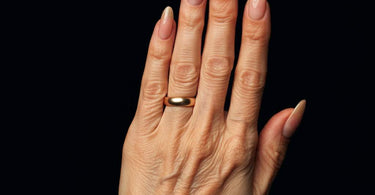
84	68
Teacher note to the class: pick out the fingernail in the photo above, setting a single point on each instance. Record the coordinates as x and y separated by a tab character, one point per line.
195	2
294	119
166	25
257	9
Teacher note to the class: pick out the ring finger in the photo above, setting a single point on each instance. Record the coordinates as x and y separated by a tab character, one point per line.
186	59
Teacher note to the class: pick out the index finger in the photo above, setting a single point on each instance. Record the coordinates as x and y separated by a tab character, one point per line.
250	74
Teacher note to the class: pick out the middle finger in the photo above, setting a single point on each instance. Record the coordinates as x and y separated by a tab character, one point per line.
218	56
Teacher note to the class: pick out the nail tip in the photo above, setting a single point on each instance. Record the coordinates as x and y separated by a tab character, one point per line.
291	124
301	105
168	12
166	23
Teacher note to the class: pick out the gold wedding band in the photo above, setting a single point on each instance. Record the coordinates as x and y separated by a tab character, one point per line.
179	101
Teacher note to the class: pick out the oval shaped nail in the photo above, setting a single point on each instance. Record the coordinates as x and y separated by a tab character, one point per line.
166	25
257	9
294	119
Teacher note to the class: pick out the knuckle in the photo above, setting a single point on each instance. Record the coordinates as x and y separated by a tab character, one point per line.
274	158
159	53
202	147
223	18
250	81
223	11
243	117
204	150
279	159
218	68
255	32
237	150
191	21
185	75
154	91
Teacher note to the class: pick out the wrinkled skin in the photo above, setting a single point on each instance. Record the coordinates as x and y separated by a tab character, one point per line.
204	149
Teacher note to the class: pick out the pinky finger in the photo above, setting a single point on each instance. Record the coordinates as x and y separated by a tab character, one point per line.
155	77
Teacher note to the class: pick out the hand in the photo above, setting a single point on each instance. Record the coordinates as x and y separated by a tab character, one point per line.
203	149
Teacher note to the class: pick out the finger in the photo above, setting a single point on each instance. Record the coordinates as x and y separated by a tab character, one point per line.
250	74
186	59
218	56
154	81
272	145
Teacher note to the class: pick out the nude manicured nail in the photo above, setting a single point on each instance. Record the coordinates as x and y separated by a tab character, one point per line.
294	119
257	9
195	2
166	25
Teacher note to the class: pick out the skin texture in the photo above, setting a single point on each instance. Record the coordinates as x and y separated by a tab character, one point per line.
204	149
